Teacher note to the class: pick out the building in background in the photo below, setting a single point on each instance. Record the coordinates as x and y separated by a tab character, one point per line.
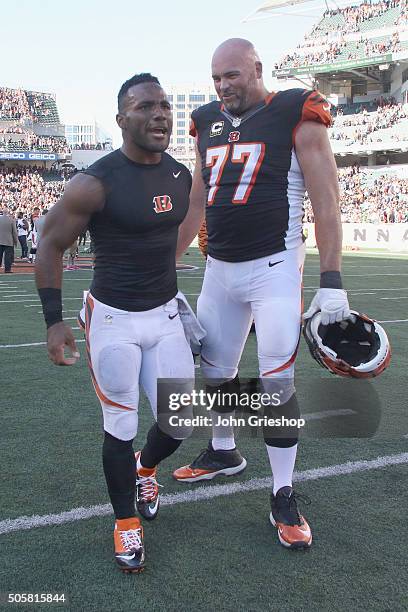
184	99
87	134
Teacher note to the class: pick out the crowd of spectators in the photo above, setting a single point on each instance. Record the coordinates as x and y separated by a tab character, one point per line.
354	16
365	124
13	104
364	198
39	106
330	52
367	200
325	44
99	146
14	129
32	142
24	188
20	105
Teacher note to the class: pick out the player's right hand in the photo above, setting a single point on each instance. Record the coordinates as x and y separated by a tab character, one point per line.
60	336
333	305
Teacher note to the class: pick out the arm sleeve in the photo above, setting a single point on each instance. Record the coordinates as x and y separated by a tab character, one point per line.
193	129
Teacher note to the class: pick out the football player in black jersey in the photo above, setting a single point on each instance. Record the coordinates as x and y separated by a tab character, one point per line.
257	152
133	201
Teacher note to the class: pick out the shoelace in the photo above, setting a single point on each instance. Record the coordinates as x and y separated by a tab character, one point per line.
131	539
197	460
292	505
147	488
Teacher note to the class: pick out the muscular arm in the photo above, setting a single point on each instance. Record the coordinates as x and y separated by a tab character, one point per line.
320	172
83	196
194	218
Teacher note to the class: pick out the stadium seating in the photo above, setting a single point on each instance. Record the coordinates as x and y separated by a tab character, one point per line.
334	37
381	21
43	108
369	196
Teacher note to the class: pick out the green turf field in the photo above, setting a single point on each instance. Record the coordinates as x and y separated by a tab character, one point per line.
218	552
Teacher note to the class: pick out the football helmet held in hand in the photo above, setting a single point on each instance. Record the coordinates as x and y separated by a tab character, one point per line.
357	347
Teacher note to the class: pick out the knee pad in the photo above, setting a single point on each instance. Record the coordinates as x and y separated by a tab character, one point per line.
280	386
117	369
286	434
281	442
228	393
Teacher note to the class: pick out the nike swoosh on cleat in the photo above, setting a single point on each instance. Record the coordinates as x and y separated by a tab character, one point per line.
271	264
126	557
176	175
153	509
173	316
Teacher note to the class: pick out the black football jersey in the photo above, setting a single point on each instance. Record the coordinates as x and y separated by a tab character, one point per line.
135	235
255	186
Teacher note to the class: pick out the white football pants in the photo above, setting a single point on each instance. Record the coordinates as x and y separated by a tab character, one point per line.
267	290
127	347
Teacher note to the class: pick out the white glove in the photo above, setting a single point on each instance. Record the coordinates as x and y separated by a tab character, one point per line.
332	303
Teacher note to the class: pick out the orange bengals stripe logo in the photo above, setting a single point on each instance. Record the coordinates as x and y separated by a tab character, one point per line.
286	365
89	307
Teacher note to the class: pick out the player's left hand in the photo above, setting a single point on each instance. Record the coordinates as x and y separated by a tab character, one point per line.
333	304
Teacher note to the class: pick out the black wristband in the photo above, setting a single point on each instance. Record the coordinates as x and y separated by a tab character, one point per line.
331	280
51	301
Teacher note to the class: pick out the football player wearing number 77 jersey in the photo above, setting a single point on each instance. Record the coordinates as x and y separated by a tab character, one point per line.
257	153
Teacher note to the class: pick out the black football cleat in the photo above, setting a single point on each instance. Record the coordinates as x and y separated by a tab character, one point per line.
147	491
293	529
211	463
129	546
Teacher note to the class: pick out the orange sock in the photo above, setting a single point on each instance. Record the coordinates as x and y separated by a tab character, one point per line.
128	523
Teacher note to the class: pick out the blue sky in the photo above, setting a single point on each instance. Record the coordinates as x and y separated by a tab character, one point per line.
84	49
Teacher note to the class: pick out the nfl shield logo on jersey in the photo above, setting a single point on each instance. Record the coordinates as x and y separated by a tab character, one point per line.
162	203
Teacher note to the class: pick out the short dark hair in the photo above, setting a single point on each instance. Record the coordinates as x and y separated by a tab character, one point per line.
143	77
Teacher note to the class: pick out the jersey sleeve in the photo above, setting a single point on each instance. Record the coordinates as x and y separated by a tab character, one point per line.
193	129
316	108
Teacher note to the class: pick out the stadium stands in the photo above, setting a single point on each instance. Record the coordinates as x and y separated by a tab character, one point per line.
363	17
367	196
22	188
99	146
43	108
387	122
20	105
13	104
31	142
29	121
353	33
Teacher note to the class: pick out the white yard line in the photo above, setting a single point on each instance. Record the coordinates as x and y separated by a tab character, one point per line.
395	321
38	303
204	493
368	275
5	346
399	297
15	295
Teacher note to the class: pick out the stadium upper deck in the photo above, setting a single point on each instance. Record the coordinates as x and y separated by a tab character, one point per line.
30	127
370	33
357	56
